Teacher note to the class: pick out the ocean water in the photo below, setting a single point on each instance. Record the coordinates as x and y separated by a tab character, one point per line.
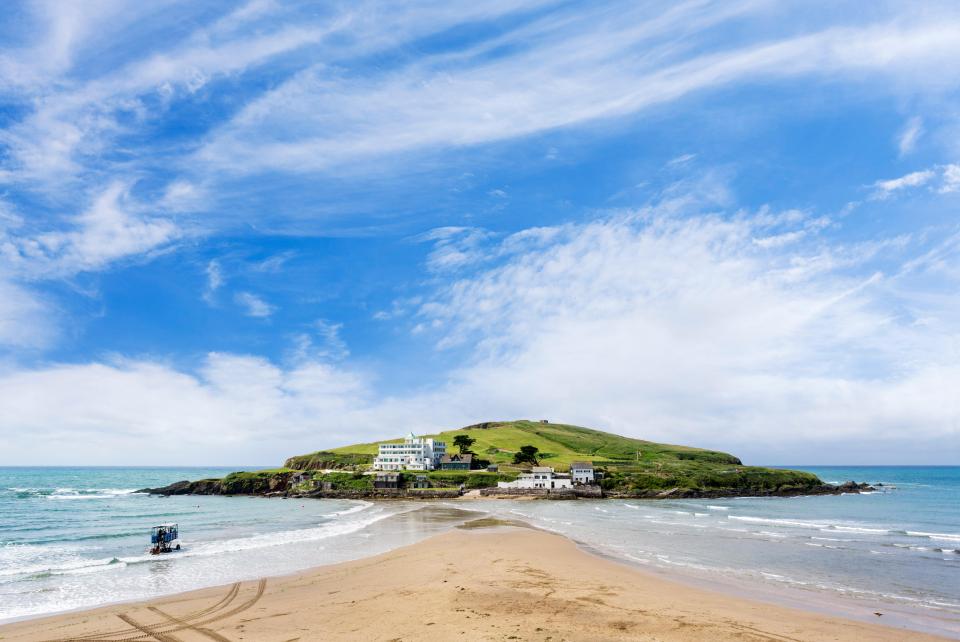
77	537
897	549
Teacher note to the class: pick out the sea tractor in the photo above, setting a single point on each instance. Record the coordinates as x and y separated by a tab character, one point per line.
164	538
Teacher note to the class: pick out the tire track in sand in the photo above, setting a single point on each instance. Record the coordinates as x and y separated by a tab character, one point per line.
106	636
162	632
206	632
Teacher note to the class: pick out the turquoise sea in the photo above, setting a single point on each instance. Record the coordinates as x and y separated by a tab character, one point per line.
77	537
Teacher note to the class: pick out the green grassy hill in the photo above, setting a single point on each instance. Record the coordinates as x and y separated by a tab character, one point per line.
559	445
633	467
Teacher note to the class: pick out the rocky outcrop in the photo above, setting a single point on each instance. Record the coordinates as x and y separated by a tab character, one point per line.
782	491
854	487
232	484
280	484
279	487
202	487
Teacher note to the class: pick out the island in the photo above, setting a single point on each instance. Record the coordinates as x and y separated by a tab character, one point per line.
513	458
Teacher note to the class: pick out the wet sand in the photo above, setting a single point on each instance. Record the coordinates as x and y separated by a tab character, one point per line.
488	581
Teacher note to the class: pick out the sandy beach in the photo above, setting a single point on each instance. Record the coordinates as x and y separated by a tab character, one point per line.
485	582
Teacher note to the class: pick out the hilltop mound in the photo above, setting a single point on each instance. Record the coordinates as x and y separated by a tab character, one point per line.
633	467
559	444
630	467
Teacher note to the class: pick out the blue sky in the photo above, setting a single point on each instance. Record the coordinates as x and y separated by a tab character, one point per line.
266	228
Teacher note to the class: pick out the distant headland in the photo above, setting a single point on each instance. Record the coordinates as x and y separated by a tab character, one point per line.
510	459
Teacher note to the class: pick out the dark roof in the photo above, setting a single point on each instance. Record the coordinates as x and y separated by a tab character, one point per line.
389	476
581	464
457	458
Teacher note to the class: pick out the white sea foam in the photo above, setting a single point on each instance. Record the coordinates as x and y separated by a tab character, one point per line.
778	522
72	493
327	530
909	547
946	537
279	538
858	529
90	493
62	566
353	509
718	507
637	559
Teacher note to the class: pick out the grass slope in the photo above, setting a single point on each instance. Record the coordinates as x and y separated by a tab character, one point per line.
559	444
632	466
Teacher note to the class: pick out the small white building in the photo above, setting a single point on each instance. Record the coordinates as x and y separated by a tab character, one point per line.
415	453
582	472
539	477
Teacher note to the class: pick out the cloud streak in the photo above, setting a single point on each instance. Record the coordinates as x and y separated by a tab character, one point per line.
575	72
661	323
253	305
684	321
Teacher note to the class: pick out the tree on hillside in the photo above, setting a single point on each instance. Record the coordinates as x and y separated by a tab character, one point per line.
527	455
463	442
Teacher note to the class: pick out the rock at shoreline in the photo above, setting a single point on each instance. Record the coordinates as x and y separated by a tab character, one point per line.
277	485
185	487
853	487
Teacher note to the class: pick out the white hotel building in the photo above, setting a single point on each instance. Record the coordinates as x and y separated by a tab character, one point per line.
415	453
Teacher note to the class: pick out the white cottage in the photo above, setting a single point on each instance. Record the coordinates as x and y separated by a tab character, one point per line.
582	472
415	453
539	477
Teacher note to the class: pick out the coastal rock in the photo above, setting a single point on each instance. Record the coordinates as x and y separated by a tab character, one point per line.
278	485
201	487
853	487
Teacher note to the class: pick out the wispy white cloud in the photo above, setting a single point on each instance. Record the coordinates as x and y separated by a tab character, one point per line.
951	179
914	179
454	247
947	178
688	328
214	280
683	159
253	305
321	343
58	31
27	319
113	227
909	136
273	264
682	326
572	72
183	196
72	123
779	240
656	323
